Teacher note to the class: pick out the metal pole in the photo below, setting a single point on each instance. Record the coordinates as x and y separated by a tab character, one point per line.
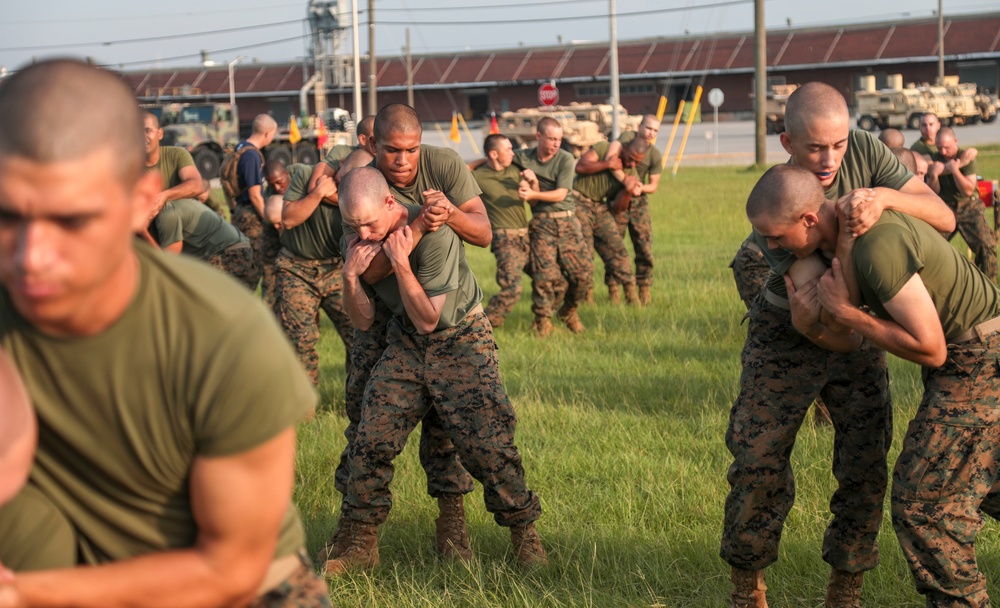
409	71
615	95
760	83
940	78
232	92
372	67
715	111
357	63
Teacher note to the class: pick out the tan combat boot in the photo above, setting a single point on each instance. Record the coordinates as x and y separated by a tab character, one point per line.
571	318
542	326
528	547
361	552
645	295
451	538
337	543
631	294
749	590
614	295
844	590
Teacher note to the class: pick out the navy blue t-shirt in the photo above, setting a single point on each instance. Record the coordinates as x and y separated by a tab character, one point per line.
249	173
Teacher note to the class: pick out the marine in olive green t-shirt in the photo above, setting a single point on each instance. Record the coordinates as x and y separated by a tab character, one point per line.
202	231
172	160
652	164
921	147
899	246
123	414
602	185
318	237
557	172
950	193
503	207
439	169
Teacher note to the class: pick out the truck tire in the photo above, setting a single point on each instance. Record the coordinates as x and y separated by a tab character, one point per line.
866	123
306	153
990	119
207	162
280	152
914	121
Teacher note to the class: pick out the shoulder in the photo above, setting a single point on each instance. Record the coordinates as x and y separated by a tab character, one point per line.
177	154
440	156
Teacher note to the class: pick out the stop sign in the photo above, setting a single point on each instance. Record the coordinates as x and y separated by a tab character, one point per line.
548	94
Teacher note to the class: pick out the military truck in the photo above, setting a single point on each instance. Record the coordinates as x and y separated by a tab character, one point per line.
894	106
950	110
208	130
578	135
600	114
986	104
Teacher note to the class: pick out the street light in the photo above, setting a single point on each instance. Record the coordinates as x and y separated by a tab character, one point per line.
232	91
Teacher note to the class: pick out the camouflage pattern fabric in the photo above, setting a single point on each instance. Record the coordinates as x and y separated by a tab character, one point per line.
970	219
600	233
266	244
302	589
561	265
750	271
947	474
783	372
639	224
245	219
454	371
445	474
304	287
511	252
237	262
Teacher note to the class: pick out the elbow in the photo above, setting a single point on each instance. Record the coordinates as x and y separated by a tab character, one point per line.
484	239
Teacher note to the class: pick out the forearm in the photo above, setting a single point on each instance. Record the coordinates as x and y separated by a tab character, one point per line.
826	338
294	213
887	335
551	196
359	307
472	225
966	183
380	266
418	306
257	200
926	206
654	183
186	189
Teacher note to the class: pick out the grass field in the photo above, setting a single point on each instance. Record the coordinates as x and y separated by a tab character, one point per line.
622	431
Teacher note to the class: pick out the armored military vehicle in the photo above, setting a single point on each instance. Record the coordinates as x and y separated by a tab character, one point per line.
600	114
894	106
986	104
578	135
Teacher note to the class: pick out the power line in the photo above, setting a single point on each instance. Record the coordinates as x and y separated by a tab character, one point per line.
106	18
198	55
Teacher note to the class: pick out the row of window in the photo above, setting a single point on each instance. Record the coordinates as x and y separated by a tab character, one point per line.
604	90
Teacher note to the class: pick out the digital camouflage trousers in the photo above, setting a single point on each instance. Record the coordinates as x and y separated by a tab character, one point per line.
970	220
302	589
438	457
303	288
511	251
639	224
562	268
783	373
266	243
600	233
750	271
948	474
454	372
237	261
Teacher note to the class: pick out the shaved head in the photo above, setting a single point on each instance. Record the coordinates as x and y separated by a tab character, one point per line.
366	125
396	118
146	115
906	157
62	110
811	102
262	123
783	193
892	138
945	134
361	188
639	145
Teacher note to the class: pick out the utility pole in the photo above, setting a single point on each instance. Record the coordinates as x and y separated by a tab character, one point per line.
615	96
760	83
358	110
940	78
409	71
372	64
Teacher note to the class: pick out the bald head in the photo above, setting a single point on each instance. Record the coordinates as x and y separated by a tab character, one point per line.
366	126
784	193
812	102
264	123
945	134
361	189
906	158
149	116
892	138
62	110
395	118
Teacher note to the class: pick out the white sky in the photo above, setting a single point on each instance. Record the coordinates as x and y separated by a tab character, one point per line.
122	33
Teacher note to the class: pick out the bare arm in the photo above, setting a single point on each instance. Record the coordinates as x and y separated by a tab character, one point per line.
966	183
294	213
914	198
802	282
654	183
238	503
473	165
357	304
256	194
589	163
174	247
423	311
468	220
915	331
18	433
191	187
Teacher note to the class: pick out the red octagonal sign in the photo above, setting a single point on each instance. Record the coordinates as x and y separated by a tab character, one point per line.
548	94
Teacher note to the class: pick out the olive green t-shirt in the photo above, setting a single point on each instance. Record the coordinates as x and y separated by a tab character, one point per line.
194	367
172	160
203	232
652	164
504	208
438	262
318	237
601	185
557	172
897	247
337	154
439	169
949	189
919	147
867	164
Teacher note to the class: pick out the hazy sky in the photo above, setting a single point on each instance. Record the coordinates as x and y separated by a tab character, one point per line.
139	35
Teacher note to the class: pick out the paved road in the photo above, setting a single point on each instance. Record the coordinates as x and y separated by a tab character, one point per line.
735	142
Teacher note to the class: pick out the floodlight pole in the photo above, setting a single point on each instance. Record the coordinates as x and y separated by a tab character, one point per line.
232	91
615	94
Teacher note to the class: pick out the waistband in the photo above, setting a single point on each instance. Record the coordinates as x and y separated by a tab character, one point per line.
511	231
775	299
237	246
554	215
583	197
981	331
284	251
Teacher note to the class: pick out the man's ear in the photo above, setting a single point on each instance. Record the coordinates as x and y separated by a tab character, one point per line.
810	218
786	141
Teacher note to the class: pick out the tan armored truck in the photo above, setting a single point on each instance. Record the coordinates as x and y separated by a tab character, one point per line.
578	135
893	106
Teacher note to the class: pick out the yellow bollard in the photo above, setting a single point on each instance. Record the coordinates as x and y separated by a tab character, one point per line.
660	109
673	132
687	128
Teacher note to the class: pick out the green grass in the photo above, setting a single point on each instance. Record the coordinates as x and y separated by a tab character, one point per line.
622	433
